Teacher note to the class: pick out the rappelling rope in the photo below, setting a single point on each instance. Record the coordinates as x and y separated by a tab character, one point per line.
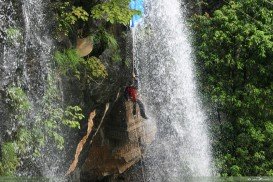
134	71
135	74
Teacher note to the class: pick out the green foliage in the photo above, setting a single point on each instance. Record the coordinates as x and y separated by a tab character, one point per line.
72	116
54	117
89	69
234	55
9	161
95	69
68	15
114	11
14	35
109	42
112	45
40	129
68	61
77	13
20	102
19	98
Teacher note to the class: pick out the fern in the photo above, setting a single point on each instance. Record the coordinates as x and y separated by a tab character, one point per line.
68	61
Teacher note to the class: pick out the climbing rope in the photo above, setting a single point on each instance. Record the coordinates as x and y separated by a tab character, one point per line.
135	74
134	61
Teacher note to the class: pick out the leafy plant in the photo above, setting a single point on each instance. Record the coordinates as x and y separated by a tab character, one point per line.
72	116
68	15
68	61
94	68
14	35
55	117
234	56
89	69
113	46
114	11
19	98
19	101
36	131
9	161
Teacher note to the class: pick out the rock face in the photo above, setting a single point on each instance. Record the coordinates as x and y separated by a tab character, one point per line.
119	145
84	46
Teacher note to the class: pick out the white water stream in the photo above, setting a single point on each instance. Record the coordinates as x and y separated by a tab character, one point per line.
26	61
164	54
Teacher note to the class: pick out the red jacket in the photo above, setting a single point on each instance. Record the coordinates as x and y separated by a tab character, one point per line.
132	92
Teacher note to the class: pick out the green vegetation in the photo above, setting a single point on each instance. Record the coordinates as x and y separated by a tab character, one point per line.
234	56
114	11
42	129
14	35
9	161
101	17
112	45
89	69
19	101
68	16
94	68
68	61
31	130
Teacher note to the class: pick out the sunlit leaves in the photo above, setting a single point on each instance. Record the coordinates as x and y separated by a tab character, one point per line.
68	61
72	116
68	15
88	69
114	11
34	130
234	56
95	68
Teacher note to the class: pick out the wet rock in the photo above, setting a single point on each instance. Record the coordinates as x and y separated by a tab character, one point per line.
84	46
120	144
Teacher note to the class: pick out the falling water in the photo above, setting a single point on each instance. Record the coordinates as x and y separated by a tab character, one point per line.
164	53
26	49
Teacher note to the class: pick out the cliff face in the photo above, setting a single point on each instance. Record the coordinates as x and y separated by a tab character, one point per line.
26	61
118	138
119	143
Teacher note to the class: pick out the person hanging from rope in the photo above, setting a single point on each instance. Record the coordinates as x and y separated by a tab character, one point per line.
131	94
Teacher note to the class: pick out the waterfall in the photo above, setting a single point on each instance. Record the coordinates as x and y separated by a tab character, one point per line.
164	54
26	49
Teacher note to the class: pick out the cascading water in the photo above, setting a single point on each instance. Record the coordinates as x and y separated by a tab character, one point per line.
25	60
163	51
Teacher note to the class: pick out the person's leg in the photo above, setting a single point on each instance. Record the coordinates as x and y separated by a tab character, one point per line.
142	109
134	108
